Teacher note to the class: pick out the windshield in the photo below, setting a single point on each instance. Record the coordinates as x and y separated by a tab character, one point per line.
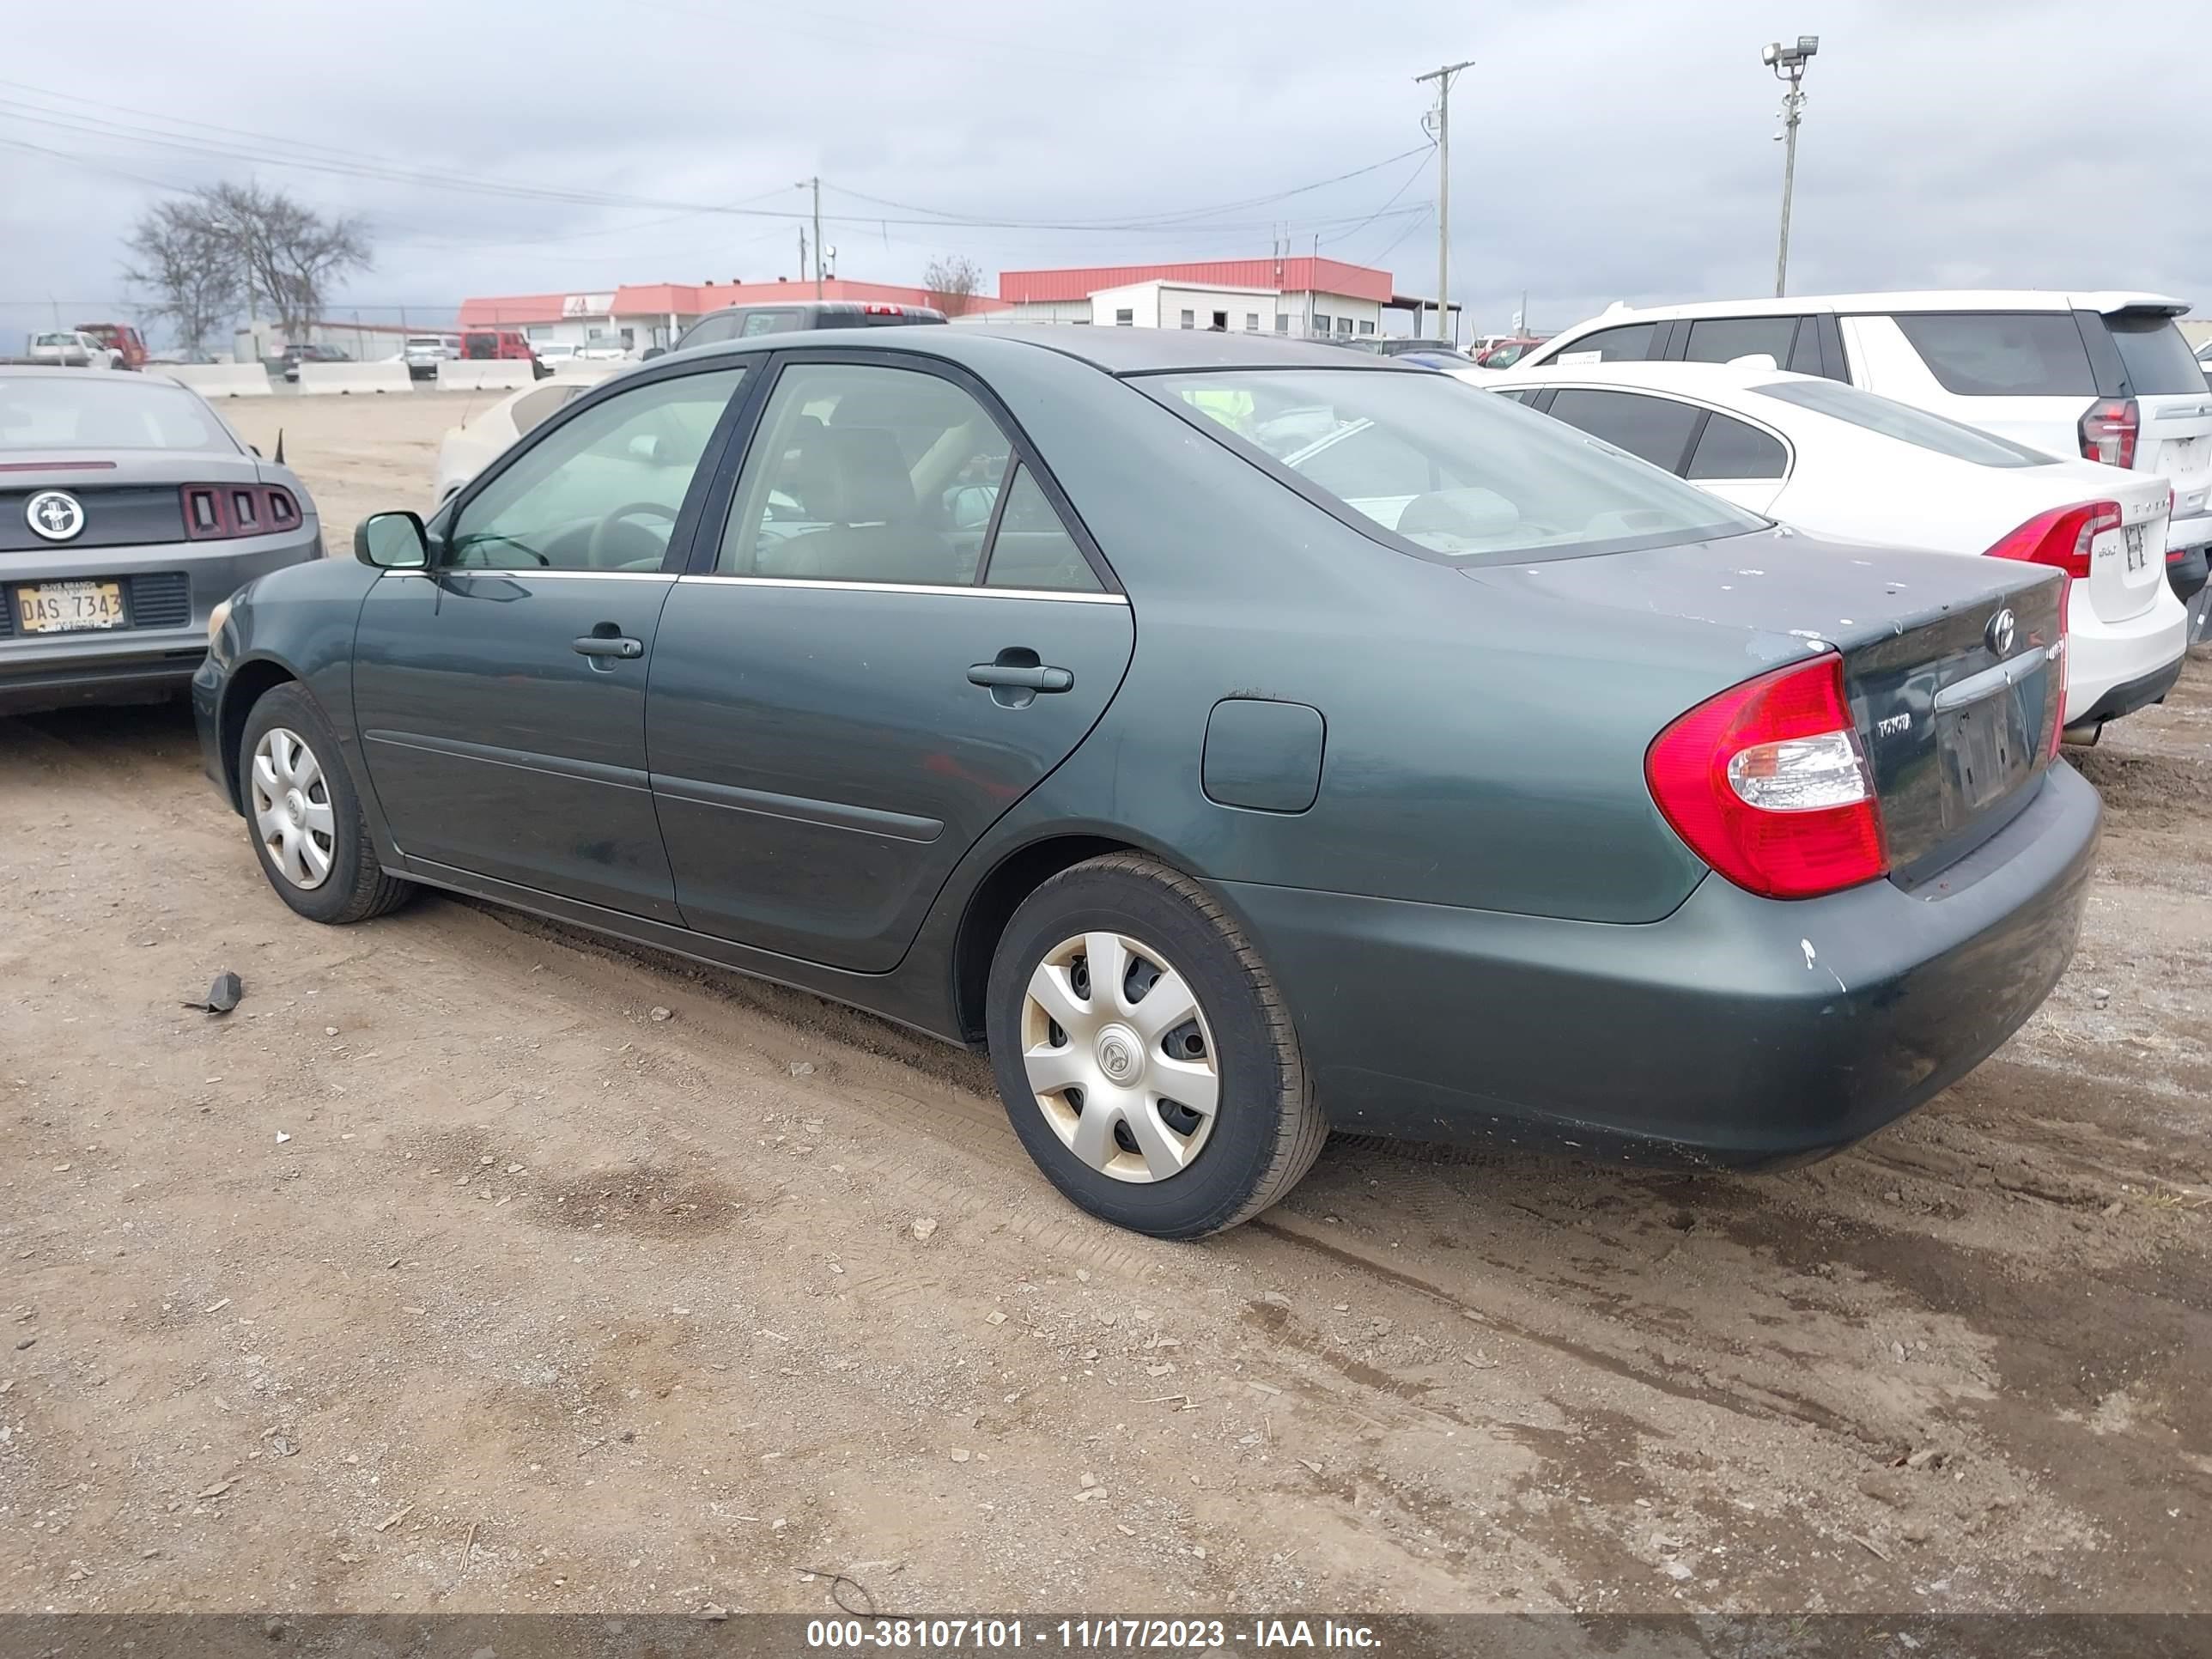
121	411
1904	423
1460	475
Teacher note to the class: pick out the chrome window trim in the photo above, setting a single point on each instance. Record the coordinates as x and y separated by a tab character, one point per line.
968	589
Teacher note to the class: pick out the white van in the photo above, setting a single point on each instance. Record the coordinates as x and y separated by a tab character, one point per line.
2105	376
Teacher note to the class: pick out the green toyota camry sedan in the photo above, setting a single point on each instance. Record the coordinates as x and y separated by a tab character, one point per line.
1239	739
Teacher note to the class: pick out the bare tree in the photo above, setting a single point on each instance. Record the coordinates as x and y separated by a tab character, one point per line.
290	254
190	270
953	282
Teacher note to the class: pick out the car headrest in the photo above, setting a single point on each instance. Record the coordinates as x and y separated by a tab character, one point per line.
855	475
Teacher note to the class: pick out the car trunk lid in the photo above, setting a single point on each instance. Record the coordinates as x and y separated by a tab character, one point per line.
1954	686
125	501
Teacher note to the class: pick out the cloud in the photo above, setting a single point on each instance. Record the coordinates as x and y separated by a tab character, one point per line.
1601	150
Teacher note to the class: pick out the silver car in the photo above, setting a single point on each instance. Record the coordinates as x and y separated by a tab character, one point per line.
128	510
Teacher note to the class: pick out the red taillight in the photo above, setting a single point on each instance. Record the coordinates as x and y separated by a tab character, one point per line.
2109	430
218	512
2061	538
1766	782
879	310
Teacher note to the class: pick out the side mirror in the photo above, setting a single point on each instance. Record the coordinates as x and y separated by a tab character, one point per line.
392	541
646	447
651	352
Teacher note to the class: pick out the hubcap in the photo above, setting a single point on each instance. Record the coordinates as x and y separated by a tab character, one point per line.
1120	1056
292	811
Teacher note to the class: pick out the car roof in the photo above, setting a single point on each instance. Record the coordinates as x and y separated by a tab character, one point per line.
1957	298
1115	350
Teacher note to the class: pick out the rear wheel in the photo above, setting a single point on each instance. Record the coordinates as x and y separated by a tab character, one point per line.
305	820
1145	1056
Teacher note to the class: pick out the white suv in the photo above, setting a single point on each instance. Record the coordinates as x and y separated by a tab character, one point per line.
2105	376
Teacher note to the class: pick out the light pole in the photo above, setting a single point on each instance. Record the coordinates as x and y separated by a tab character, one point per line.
1788	63
1441	133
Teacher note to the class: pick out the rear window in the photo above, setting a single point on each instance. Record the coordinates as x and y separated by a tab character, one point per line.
100	412
2157	359
2003	354
1460	477
1904	423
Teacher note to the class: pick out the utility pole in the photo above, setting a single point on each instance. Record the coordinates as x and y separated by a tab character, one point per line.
1443	76
815	184
1788	63
802	253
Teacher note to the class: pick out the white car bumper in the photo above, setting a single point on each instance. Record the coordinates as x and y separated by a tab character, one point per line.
2113	668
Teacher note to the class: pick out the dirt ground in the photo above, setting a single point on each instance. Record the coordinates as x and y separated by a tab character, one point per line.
472	1264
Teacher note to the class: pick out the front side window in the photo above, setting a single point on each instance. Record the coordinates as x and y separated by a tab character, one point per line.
1903	422
861	473
2003	354
1724	339
603	491
1629	344
1460	478
1653	429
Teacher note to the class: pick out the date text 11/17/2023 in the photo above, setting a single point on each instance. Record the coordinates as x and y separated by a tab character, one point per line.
1087	1634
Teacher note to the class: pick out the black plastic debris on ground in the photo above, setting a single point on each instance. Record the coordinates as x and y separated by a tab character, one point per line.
221	996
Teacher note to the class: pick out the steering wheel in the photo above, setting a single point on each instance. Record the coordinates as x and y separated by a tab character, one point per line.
595	551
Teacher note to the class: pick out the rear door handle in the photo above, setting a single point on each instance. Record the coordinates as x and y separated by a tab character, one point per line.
1021	678
596	644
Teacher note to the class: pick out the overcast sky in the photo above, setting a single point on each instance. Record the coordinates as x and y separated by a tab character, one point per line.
1601	150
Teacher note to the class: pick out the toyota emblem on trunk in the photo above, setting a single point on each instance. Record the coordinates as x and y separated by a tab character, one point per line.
2000	632
54	514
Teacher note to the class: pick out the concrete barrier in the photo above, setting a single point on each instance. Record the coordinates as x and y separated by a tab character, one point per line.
332	380
220	380
483	374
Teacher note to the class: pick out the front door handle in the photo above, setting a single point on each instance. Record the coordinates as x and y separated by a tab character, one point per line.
1021	676
597	645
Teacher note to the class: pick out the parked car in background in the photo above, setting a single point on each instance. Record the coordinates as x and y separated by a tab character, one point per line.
784	317
1449	727
2105	376
465	448
424	353
2204	357
1504	354
554	353
128	513
286	361
69	348
1850	466
494	345
602	351
126	347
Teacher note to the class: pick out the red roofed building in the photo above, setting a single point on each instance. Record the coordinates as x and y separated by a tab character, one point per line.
640	314
1300	296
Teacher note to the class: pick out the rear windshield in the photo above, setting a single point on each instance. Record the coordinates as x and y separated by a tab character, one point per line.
2003	354
2157	359
1459	476
1903	423
102	412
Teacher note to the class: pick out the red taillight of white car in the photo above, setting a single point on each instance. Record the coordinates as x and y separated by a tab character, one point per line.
2061	538
218	512
2109	431
1767	783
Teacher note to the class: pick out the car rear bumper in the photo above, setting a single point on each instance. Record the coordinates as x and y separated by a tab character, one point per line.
168	590
2103	659
1740	1031
2194	530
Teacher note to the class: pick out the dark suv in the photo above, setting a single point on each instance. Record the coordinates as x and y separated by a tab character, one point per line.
785	316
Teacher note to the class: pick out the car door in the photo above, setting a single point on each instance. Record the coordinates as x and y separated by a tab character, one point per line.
500	692
897	632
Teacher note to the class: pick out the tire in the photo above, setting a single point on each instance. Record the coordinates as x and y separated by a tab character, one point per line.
1147	1161
325	865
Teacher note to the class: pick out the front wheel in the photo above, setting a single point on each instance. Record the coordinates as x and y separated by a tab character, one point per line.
1145	1056
308	831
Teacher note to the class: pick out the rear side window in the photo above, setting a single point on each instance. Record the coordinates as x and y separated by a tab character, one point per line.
1730	448
1720	339
1629	344
771	322
2003	354
709	330
1653	429
2156	358
1903	422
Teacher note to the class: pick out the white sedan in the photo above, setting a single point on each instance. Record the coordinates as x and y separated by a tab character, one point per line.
1846	464
467	446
